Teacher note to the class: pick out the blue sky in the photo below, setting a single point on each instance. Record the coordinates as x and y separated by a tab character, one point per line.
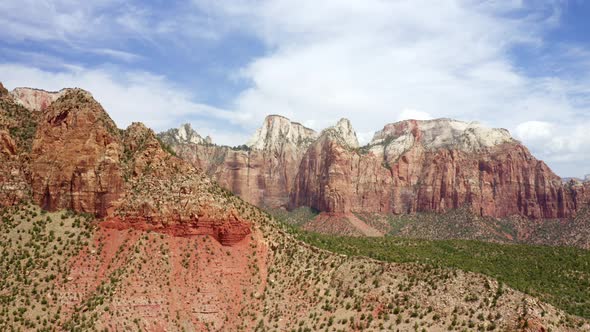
223	65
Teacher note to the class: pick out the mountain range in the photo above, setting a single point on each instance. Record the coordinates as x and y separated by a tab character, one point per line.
409	166
122	229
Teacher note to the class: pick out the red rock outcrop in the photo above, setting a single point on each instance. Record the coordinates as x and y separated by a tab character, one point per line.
7	145
166	194
13	182
438	165
3	91
76	156
17	126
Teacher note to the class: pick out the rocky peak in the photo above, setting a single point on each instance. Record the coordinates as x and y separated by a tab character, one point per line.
185	134
439	134
36	99
137	135
75	157
343	132
77	104
278	130
3	91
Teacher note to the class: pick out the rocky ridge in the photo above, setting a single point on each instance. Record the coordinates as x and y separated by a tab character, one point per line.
409	166
184	134
441	166
260	172
76	156
277	131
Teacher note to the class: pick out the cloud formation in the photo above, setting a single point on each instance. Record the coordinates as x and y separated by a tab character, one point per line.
376	61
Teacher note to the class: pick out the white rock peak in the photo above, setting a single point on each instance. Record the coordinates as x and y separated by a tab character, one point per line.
185	134
398	137
278	130
344	132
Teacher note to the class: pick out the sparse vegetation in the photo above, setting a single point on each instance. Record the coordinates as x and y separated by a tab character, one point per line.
35	249
557	275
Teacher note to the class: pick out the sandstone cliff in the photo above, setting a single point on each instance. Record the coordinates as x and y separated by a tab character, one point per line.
261	173
409	166
437	165
76	156
17	128
166	194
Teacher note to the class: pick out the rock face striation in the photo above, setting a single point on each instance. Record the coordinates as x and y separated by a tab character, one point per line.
72	156
436	165
261	172
76	156
36	99
409	166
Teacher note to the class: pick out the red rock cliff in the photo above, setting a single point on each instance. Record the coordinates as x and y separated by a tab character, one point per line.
437	165
76	156
166	194
262	172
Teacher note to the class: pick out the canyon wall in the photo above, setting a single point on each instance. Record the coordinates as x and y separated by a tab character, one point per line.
409	166
260	172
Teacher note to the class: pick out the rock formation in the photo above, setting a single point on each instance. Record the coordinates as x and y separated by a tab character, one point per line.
76	156
7	145
262	172
184	134
14	186
72	156
36	99
17	128
278	131
166	194
437	165
409	166
3	91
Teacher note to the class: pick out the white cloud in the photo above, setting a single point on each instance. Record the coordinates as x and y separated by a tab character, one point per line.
411	114
117	54
54	19
557	143
535	130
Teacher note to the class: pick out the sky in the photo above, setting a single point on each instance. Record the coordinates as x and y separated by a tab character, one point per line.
223	65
